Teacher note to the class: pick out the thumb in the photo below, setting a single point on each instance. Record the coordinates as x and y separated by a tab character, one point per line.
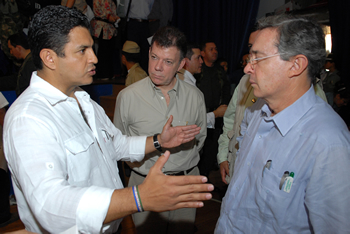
161	161
168	123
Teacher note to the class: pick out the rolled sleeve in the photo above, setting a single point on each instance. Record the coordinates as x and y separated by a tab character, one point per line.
101	197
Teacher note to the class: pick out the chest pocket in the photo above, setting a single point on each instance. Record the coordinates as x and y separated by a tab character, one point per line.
80	160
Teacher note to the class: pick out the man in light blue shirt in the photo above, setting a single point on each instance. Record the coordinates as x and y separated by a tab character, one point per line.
291	172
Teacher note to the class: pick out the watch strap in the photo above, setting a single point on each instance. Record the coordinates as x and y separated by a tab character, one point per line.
156	142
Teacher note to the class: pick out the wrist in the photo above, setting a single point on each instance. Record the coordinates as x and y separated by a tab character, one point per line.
157	142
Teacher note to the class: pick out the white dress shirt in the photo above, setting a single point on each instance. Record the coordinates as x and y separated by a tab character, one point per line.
189	78
64	170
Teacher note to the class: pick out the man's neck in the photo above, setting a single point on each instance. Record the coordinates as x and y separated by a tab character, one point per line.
25	53
49	77
129	65
166	89
208	64
287	97
189	71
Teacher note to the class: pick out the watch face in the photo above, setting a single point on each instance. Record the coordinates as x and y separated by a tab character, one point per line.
156	144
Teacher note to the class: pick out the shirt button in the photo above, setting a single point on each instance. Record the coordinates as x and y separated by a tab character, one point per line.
248	163
260	137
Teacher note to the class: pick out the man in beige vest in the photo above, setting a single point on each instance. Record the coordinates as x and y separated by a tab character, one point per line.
130	58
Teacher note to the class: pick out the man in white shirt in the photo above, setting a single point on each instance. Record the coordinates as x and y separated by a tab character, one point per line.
62	149
193	65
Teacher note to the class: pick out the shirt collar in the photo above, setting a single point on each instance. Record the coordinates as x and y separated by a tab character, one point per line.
176	87
286	119
48	91
190	76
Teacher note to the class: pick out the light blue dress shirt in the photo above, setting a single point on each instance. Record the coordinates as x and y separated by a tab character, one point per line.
307	138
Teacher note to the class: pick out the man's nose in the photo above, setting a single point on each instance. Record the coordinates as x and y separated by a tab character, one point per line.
248	69
93	57
159	65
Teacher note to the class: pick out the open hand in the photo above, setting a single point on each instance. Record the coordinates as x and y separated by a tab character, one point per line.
175	136
161	192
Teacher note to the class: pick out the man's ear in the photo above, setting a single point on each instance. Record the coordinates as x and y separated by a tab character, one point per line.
187	61
299	65
49	58
123	59
202	53
182	63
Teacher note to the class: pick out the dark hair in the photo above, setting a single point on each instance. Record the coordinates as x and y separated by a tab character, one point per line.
191	46
169	36
131	57
19	39
298	35
49	29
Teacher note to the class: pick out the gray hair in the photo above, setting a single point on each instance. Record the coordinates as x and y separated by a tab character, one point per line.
298	35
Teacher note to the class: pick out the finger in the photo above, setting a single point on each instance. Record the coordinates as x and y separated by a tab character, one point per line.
161	161
185	204
195	204
191	127
168	123
194	197
187	180
193	188
223	175
224	180
170	120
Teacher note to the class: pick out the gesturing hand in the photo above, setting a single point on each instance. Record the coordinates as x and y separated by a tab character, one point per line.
161	192
175	136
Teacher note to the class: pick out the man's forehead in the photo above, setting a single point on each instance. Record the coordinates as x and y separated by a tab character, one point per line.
265	40
210	45
252	37
171	51
80	35
196	51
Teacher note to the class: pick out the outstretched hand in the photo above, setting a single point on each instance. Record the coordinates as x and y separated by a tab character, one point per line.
175	136
160	192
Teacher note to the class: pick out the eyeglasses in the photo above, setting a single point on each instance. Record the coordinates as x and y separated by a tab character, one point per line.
256	60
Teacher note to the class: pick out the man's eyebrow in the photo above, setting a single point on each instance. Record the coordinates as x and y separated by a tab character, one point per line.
84	47
256	52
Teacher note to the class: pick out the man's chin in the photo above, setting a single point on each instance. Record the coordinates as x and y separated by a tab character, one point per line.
87	81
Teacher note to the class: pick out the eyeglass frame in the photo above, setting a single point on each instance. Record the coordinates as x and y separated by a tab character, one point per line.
258	59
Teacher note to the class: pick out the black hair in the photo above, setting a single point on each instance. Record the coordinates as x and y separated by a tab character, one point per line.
191	46
50	27
19	39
